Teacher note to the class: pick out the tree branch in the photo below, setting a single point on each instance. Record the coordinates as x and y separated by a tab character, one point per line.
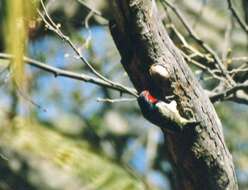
108	100
225	95
237	17
205	46
69	74
214	97
51	25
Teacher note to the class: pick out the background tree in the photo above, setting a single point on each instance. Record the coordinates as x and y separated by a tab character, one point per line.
109	128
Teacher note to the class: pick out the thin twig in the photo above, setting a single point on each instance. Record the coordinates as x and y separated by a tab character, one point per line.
200	41
195	54
241	99
108	100
203	67
237	17
86	23
96	12
56	29
69	74
225	94
241	68
86	78
28	99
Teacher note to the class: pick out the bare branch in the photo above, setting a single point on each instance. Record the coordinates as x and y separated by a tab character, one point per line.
86	23
229	93
237	17
56	29
206	47
241	68
96	12
108	100
241	99
203	67
68	74
195	53
190	58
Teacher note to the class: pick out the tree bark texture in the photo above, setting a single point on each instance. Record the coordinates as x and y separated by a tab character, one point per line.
199	155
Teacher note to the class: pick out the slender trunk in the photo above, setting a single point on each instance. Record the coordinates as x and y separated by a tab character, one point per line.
199	154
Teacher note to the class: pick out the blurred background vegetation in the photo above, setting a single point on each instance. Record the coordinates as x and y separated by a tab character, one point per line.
54	134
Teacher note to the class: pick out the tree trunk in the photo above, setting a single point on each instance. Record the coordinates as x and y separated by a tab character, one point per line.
198	154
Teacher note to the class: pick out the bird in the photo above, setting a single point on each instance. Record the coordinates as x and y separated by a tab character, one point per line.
164	115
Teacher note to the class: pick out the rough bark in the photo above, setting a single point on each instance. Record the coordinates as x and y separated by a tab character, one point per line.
199	155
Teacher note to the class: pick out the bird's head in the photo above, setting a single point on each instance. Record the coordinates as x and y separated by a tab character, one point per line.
147	102
146	95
